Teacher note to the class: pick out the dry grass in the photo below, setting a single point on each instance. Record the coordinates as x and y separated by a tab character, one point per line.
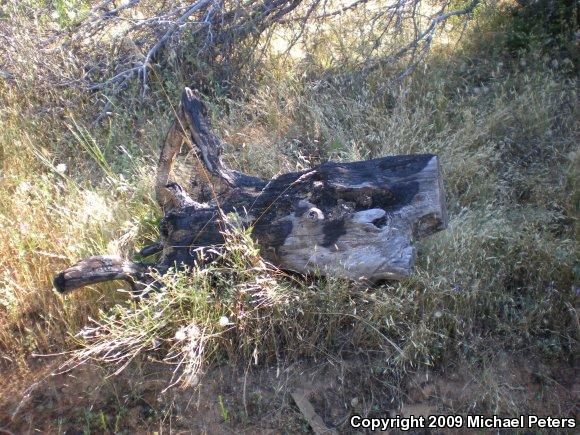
502	279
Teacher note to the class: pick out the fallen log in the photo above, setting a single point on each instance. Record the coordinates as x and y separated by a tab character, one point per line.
355	220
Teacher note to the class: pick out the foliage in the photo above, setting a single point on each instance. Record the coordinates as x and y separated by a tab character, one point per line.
500	112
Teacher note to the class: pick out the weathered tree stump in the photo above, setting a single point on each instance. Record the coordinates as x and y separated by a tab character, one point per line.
356	220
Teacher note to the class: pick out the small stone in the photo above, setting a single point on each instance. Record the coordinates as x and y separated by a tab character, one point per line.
224	321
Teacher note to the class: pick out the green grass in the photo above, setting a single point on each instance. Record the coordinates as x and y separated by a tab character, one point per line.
502	279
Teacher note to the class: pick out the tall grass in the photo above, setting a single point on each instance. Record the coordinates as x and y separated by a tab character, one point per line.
502	278
59	203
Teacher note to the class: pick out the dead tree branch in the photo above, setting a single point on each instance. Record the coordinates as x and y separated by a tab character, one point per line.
355	220
213	27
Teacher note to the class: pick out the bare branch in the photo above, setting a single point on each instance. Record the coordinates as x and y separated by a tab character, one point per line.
425	37
213	27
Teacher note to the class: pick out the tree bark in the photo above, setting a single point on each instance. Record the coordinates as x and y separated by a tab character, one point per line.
101	268
355	220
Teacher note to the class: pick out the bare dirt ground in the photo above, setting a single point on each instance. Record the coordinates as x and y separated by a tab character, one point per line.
252	399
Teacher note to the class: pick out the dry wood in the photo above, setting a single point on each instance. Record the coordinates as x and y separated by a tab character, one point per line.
356	220
98	269
213	27
313	419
